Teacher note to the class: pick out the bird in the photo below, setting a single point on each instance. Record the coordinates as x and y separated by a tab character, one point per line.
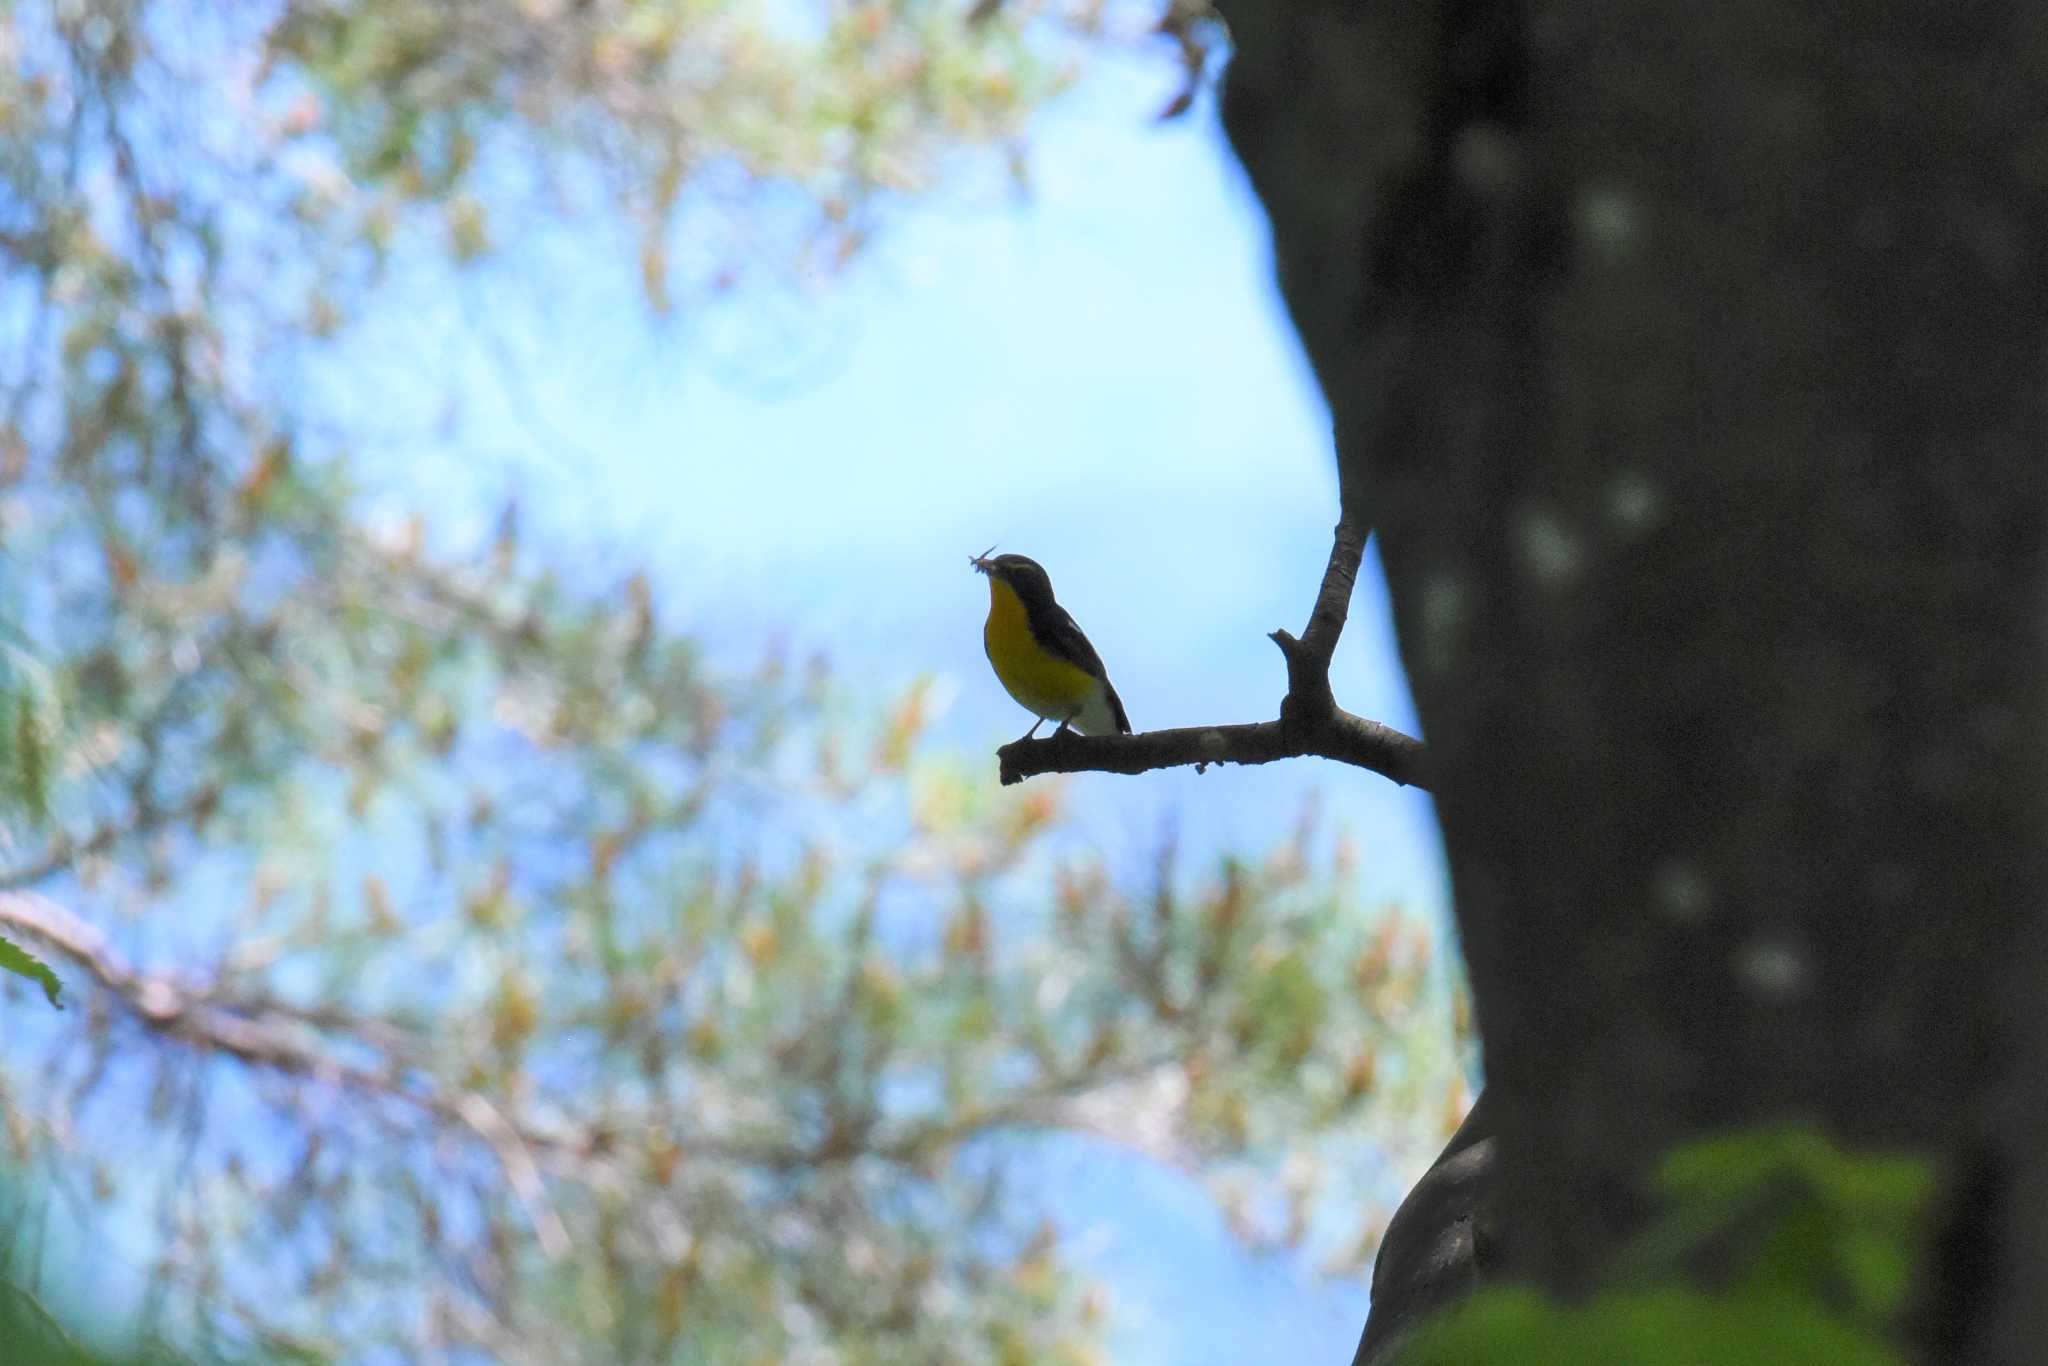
1039	654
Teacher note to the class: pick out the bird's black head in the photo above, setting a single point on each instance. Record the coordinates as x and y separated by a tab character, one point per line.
1025	577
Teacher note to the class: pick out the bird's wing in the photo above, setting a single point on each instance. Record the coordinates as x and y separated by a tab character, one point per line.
1061	637
1058	634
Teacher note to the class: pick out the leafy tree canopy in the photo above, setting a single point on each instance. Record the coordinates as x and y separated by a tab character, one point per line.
461	959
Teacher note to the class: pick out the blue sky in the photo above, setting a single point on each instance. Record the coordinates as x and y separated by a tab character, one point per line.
1098	375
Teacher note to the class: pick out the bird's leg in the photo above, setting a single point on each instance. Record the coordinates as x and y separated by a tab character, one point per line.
1061	728
1036	722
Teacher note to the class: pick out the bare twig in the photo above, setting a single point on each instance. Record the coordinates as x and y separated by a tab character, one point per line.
517	1162
1341	736
65	851
1191	25
1308	659
1311	723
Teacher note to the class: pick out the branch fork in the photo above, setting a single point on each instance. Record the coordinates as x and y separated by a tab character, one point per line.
1310	723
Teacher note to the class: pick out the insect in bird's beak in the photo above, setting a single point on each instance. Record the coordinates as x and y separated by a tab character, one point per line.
980	562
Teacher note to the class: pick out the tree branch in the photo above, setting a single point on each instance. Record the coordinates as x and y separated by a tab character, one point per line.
268	1033
1318	644
1311	723
1340	735
309	1043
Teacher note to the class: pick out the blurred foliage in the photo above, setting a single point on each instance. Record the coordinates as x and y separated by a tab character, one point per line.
27	739
28	731
1773	1245
462	962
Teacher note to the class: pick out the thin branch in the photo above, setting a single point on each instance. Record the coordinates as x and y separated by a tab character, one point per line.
149	817
1311	723
265	1032
516	1159
1333	598
1341	736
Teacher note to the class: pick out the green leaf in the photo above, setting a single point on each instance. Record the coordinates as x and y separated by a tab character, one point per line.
28	731
22	963
1671	1326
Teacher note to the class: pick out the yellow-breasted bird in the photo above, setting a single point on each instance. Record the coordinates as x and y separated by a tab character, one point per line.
1040	655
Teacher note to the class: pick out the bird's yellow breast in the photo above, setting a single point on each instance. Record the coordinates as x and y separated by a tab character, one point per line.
1043	683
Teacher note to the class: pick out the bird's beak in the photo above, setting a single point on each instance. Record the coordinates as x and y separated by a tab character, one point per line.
980	562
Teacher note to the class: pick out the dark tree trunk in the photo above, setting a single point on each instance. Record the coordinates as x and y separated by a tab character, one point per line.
1442	1244
1689	361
